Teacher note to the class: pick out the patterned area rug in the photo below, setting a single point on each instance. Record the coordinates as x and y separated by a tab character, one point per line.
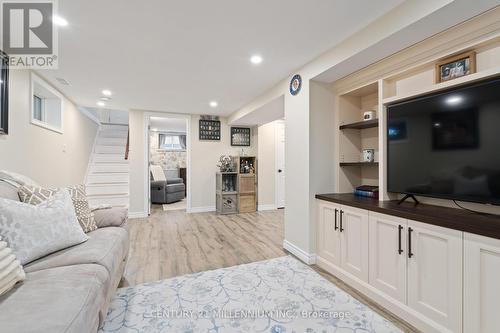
277	296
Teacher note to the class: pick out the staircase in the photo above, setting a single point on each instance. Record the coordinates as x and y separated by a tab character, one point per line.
107	181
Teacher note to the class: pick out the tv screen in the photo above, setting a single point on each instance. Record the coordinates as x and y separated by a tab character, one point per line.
447	145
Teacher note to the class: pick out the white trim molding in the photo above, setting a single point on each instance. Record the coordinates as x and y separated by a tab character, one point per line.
137	215
308	258
266	207
201	209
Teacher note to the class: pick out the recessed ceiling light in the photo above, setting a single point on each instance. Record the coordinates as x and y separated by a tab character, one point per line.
60	21
101	103
256	59
454	100
213	104
107	92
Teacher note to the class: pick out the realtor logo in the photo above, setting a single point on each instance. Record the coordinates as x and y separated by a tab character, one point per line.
29	36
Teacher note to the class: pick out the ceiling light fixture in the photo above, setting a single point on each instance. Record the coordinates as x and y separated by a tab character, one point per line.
60	21
256	59
107	92
101	104
213	104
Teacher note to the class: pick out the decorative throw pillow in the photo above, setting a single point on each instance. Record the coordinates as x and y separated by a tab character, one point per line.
36	195
36	231
11	271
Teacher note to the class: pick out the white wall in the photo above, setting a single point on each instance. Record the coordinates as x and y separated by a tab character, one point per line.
204	159
267	165
321	148
50	158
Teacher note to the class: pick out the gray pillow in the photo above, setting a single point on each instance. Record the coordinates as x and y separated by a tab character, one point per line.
36	195
36	231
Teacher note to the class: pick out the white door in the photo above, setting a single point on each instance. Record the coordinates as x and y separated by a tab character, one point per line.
387	262
280	164
481	284
353	227
435	273
329	232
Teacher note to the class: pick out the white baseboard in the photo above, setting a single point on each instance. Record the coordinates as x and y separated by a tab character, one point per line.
201	209
137	215
308	258
266	207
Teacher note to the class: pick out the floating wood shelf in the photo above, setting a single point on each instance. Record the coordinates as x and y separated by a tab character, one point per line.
358	163
361	124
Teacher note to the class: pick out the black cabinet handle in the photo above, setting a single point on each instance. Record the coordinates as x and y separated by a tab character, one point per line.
400	228
336	211
341	214
410	254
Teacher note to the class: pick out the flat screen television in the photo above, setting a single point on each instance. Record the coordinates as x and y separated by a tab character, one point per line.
4	93
447	144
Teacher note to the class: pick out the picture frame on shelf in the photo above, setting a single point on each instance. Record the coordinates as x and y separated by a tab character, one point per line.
455	66
240	136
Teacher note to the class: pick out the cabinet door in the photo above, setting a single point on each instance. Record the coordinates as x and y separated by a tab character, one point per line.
353	225
481	284
328	233
435	273
388	255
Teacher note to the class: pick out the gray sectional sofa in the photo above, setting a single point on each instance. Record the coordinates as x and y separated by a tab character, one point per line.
70	290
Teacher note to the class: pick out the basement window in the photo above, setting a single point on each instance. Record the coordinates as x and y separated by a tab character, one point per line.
171	142
46	105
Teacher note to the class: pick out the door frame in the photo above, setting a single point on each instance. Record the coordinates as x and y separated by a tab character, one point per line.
147	178
280	122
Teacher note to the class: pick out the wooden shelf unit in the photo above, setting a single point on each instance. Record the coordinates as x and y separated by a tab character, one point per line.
361	124
346	164
354	135
247	184
226	193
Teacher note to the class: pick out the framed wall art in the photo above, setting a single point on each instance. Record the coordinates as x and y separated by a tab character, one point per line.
240	136
209	130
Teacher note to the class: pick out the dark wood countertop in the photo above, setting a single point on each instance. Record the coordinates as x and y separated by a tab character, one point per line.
452	218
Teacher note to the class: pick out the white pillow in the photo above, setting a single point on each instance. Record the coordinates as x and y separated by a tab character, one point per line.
11	271
36	231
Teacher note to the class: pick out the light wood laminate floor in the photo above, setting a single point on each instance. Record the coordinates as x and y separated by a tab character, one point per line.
174	243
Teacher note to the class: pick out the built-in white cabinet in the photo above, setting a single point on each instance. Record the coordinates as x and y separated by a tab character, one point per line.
481	284
343	238
435	273
388	253
354	241
328	233
419	271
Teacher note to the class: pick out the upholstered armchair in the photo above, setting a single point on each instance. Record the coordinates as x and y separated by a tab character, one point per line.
163	190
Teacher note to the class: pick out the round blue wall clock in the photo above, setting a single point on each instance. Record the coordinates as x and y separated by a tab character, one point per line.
295	84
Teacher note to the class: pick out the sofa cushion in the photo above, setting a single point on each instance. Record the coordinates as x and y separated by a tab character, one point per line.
8	191
36	231
36	195
175	188
107	247
63	299
110	217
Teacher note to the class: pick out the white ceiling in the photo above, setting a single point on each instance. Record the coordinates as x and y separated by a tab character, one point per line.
176	56
167	124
